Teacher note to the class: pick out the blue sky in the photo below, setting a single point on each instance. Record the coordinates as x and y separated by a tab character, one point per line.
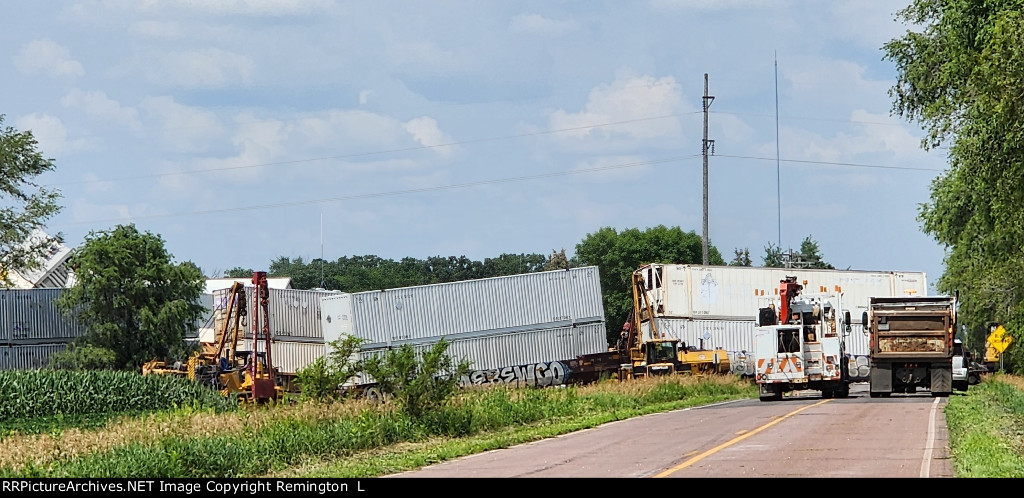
242	131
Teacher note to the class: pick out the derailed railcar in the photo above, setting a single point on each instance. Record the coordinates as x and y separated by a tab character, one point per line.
520	329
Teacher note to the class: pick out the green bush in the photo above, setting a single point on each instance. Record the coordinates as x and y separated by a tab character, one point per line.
419	384
83	357
321	379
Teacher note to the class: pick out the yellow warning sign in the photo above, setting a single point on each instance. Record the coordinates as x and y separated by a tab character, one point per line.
999	339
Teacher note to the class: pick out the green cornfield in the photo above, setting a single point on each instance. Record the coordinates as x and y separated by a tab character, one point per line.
45	393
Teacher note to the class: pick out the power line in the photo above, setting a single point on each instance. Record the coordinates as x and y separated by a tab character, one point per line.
392	193
363	154
804	118
427	147
830	163
485	182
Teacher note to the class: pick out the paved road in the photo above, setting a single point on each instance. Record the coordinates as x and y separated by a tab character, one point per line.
800	436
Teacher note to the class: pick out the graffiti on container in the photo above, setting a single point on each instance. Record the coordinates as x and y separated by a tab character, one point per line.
859	367
535	374
741	363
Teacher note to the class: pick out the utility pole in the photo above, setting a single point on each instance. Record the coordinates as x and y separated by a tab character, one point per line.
778	174
707	145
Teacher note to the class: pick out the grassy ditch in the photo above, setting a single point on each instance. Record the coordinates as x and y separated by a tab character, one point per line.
986	429
351	439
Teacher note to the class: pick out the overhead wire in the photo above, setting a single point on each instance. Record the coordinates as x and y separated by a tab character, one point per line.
371	153
393	192
459	185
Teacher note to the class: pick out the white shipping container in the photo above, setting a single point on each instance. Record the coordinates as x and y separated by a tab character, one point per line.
293	313
290	356
736	292
522	348
465	309
737	336
483	352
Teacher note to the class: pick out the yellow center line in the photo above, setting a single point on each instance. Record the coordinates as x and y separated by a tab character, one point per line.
735	440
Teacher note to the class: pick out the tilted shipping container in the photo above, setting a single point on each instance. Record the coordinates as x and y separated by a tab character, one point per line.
490	306
31	316
294	313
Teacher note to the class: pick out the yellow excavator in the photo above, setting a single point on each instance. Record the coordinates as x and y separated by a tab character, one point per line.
220	365
652	353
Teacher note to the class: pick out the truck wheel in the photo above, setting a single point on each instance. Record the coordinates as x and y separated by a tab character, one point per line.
769	393
973	379
843	391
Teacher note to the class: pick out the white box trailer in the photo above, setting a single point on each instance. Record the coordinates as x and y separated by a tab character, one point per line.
736	292
718	305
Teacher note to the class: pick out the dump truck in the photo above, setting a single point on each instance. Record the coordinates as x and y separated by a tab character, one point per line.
911	341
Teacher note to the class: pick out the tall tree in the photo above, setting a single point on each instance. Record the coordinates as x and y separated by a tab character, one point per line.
959	76
809	256
133	299
773	256
617	255
810	252
25	205
742	258
514	264
238	272
558	261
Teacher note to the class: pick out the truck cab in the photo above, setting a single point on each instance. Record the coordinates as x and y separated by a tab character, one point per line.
657	357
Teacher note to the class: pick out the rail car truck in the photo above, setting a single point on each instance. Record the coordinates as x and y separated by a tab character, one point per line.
911	340
801	345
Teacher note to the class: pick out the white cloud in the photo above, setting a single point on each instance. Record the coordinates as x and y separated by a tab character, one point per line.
156	29
49	57
98	105
538	24
255	7
364	96
424	57
185	128
711	4
85	211
626	99
426	132
616	168
206	68
888	131
50	134
257	141
831	77
219	7
335	127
